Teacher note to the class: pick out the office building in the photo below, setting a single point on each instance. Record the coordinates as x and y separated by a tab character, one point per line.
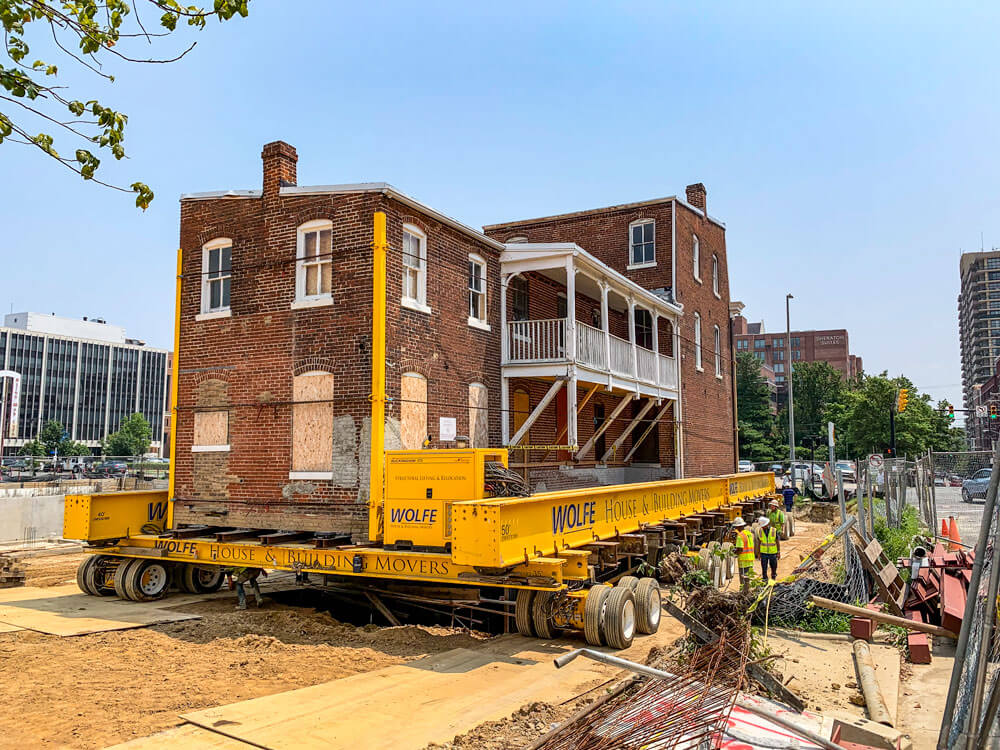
979	336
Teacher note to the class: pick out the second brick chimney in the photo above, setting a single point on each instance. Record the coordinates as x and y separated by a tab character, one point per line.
696	196
279	167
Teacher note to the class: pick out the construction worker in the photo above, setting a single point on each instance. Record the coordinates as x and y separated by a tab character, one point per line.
239	576
777	518
744	550
769	546
788	494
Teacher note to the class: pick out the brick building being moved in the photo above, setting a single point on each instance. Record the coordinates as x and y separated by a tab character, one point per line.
598	342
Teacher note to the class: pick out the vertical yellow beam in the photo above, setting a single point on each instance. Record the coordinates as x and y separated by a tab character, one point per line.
376	508
174	369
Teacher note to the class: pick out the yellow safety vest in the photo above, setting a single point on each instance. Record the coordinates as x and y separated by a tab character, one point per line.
769	541
746	557
777	519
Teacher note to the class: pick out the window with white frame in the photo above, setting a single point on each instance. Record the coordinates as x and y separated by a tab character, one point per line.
718	351
216	274
715	274
642	242
414	267
314	261
697	341
696	256
477	290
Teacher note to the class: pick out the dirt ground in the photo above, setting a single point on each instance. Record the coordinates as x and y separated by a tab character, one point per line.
96	690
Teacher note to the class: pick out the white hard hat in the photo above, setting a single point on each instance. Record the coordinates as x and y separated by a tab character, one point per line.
763	521
739	523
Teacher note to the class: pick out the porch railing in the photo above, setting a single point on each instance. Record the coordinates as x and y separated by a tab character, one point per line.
537	340
590	346
621	357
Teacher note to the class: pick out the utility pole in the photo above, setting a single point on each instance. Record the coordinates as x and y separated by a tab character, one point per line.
791	391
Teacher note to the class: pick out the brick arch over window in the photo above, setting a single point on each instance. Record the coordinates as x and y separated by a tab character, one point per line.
312	424
320	364
416	221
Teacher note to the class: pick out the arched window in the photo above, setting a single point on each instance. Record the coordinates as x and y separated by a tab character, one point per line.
718	351
715	274
521	402
517	239
697	341
696	256
216	276
414	269
413	410
314	263
312	425
479	424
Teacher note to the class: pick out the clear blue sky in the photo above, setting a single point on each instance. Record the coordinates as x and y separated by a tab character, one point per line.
850	147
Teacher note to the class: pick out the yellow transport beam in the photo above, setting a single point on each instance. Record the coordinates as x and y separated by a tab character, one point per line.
500	532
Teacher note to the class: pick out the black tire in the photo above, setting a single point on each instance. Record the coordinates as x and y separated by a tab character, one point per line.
593	612
541	615
120	576
84	575
147	580
965	496
619	618
198	579
102	575
628	582
523	612
647	606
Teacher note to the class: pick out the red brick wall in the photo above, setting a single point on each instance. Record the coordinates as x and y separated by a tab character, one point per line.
707	401
257	350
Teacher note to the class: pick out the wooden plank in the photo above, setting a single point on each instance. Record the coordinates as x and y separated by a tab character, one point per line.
187	736
380	606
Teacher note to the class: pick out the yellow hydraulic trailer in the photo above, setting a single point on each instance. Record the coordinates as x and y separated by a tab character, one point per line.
434	517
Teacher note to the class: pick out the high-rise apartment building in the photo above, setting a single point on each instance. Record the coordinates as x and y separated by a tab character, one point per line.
84	374
978	330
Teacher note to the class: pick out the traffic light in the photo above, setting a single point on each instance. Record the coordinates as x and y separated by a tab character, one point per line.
951	411
993	411
902	399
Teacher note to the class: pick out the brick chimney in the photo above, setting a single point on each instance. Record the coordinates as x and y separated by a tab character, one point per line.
279	167
696	195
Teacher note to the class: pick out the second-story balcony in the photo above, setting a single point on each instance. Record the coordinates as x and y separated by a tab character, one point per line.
631	345
544	341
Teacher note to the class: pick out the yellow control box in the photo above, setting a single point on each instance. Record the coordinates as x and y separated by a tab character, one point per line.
420	487
114	515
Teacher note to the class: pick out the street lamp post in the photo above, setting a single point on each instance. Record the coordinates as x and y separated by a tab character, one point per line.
791	390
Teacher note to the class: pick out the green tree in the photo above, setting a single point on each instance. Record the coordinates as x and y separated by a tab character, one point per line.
102	31
53	438
33	448
819	388
756	422
132	438
73	448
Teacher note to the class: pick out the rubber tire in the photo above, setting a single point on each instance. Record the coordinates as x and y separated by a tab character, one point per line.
648	606
190	580
593	613
133	581
84	575
628	582
99	574
619	618
120	573
541	617
523	612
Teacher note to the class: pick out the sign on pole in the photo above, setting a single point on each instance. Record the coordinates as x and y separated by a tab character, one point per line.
980	411
875	461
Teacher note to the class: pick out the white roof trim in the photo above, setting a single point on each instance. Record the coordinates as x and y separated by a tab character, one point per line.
221	194
526	251
701	213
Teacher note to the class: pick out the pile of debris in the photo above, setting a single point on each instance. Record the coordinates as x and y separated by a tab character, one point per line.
11	572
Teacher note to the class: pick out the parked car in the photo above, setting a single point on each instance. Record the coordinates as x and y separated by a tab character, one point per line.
111	468
974	488
954	481
847	471
743	465
802	472
778	469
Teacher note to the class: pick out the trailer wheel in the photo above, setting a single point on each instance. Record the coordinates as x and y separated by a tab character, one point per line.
541	615
102	575
618	622
84	575
119	580
146	580
628	582
197	579
593	612
647	606
523	612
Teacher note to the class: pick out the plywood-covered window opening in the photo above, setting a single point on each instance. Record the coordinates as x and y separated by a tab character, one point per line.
211	431
413	410
479	425
312	426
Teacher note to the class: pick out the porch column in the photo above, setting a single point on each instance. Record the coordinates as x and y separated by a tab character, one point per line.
504	278
631	337
656	338
571	407
570	310
605	326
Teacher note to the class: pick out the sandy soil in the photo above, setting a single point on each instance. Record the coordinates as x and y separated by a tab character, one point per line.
96	690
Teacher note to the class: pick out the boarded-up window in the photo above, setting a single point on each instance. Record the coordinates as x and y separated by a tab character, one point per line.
413	410
312	422
211	429
522	408
479	425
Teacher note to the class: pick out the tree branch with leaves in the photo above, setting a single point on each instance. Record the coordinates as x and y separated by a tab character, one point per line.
88	33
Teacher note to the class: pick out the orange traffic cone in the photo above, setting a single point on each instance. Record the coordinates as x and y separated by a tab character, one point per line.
944	529
953	535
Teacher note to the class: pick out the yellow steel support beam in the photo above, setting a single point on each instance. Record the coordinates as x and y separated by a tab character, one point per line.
174	370
376	510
